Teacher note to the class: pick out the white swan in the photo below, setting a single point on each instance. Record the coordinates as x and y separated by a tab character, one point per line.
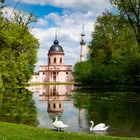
98	127
59	124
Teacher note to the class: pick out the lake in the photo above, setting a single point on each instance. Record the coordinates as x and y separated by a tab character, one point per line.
118	108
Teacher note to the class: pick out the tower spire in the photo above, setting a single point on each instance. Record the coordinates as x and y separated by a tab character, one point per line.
56	34
82	43
56	41
83	34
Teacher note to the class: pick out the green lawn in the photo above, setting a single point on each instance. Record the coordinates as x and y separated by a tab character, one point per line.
10	131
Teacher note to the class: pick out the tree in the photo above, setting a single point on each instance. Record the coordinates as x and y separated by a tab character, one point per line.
106	30
18	52
25	19
2	1
111	37
114	55
130	9
82	72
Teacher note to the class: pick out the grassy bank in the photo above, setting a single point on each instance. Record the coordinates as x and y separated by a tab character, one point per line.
10	131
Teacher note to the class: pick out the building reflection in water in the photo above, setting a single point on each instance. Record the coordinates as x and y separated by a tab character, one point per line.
55	95
55	100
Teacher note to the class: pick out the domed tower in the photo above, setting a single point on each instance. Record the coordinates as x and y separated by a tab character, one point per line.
56	70
55	54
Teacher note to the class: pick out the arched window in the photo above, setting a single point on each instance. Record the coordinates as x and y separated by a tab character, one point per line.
59	105
54	90
54	60
54	106
60	60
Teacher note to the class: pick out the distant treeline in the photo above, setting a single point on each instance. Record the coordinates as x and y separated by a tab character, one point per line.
114	52
18	50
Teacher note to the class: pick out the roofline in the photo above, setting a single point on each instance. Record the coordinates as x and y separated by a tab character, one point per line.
51	53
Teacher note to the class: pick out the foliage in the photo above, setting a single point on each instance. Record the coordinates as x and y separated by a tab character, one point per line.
82	72
116	108
18	50
130	10
23	132
114	53
17	106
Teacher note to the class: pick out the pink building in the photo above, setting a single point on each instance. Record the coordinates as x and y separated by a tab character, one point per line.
56	70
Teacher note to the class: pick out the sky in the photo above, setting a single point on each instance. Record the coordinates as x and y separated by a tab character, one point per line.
65	16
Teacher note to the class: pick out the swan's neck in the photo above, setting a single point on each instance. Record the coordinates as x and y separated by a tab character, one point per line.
56	119
91	127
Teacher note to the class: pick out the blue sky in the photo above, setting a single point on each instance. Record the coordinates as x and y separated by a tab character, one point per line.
67	16
38	10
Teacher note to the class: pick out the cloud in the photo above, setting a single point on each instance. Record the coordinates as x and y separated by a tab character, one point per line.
68	24
66	39
76	5
42	22
10	13
69	28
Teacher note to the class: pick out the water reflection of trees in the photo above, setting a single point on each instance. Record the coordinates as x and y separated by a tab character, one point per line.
120	110
17	106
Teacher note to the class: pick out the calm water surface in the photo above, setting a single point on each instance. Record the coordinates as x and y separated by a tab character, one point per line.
118	109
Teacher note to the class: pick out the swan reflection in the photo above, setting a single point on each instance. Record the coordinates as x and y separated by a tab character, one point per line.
100	132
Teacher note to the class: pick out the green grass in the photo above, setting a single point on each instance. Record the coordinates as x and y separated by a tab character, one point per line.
10	131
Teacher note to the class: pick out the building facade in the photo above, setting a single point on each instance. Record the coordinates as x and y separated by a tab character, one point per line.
56	70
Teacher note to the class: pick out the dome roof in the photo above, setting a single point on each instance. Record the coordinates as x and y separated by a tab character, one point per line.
55	47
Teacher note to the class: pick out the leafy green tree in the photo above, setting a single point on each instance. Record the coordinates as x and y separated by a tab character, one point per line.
130	10
18	51
82	72
111	37
113	51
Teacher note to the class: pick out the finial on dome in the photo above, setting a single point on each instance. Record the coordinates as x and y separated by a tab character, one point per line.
56	41
56	34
